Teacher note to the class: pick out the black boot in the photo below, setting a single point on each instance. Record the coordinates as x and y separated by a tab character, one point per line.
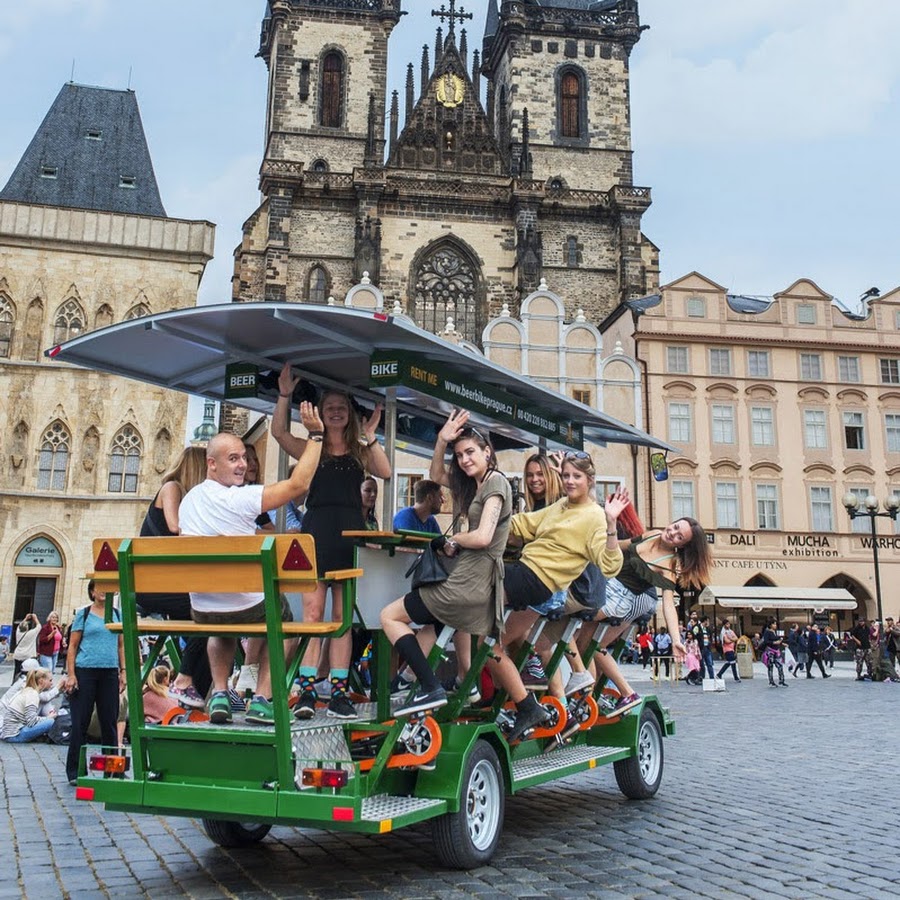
529	714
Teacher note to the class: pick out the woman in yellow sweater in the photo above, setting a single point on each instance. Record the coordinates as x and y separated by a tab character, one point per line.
558	542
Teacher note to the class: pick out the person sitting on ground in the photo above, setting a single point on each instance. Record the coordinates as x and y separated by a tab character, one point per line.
221	505
421	515
157	701
47	696
471	599
23	721
558	542
676	557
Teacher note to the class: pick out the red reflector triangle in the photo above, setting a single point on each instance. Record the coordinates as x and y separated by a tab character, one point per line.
106	560
296	560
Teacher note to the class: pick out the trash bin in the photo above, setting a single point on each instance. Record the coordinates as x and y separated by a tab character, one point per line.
744	653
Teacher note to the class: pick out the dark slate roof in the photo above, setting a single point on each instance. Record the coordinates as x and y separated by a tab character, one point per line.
642	304
94	140
492	20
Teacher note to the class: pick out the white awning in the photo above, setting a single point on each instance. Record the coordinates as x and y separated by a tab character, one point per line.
757	598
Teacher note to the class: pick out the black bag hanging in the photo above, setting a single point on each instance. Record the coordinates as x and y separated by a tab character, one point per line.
427	569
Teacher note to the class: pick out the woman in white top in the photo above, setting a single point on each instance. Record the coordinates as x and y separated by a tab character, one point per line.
23	721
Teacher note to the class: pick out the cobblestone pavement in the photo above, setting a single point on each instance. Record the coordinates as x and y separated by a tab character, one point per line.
785	793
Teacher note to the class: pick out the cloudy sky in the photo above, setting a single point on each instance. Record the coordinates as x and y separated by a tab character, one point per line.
768	131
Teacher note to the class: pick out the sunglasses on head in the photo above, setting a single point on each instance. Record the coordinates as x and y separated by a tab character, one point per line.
576	454
469	430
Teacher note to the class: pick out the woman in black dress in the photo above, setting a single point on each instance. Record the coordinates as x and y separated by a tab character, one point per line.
333	505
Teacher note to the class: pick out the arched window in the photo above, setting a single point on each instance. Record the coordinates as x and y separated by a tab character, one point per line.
572	109
69	321
445	286
572	252
319	166
53	460
7	320
125	461
138	311
317	285
104	316
332	94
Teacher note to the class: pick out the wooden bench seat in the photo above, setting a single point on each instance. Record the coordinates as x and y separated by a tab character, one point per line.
224	565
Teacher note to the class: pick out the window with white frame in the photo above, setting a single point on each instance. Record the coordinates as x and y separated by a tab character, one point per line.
821	510
722	423
860	525
848	369
758	363
806	314
683	499
767	518
810	367
815	431
406	487
719	362
727	505
677	360
680	429
890	371
762	426
854	431
696	307
892	432
607	486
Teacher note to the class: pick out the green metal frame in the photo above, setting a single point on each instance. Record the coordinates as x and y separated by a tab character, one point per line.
250	776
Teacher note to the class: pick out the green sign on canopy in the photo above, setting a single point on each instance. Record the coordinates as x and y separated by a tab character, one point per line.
391	369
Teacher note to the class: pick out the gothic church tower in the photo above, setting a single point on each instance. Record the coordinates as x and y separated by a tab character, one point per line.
465	205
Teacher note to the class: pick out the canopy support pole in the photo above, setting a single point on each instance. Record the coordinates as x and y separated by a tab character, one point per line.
390	449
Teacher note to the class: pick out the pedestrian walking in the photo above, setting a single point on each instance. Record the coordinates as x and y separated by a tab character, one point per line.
703	637
772	649
892	642
662	645
645	642
728	638
814	646
862	650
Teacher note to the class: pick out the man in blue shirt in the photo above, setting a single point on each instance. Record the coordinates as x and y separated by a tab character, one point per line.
421	516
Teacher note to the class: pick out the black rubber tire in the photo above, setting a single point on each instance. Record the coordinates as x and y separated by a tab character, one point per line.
234	834
640	775
468	838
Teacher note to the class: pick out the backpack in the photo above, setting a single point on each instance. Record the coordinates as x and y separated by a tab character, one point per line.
62	726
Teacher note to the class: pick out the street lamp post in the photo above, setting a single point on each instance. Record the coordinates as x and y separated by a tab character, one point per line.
891	508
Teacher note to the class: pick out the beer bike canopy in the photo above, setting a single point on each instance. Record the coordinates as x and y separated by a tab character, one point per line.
234	352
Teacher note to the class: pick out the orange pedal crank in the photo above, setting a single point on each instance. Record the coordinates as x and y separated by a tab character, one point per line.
426	739
557	707
174	716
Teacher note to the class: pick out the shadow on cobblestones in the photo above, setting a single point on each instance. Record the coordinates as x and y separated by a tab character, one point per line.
822	751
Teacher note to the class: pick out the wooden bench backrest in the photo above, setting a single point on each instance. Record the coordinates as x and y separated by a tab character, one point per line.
162	564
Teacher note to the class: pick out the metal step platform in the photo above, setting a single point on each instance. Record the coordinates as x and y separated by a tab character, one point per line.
386	806
535	769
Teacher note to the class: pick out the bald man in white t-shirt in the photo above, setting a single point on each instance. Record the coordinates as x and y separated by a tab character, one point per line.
223	505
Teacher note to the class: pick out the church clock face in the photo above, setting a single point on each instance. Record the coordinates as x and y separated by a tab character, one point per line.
450	90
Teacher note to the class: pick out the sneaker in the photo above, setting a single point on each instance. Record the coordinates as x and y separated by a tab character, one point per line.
423	700
527	719
782	684
826	675
187	697
260	711
341	707
624	704
305	708
772	684
219	708
451	685
534	682
246	680
400	687
237	701
578	681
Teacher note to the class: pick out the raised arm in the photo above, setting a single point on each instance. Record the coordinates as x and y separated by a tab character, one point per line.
455	423
275	495
377	462
281	428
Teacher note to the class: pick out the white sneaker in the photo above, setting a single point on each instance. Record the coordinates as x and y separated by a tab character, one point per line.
578	681
247	679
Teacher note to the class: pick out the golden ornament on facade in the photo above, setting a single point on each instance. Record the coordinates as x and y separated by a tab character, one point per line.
450	90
